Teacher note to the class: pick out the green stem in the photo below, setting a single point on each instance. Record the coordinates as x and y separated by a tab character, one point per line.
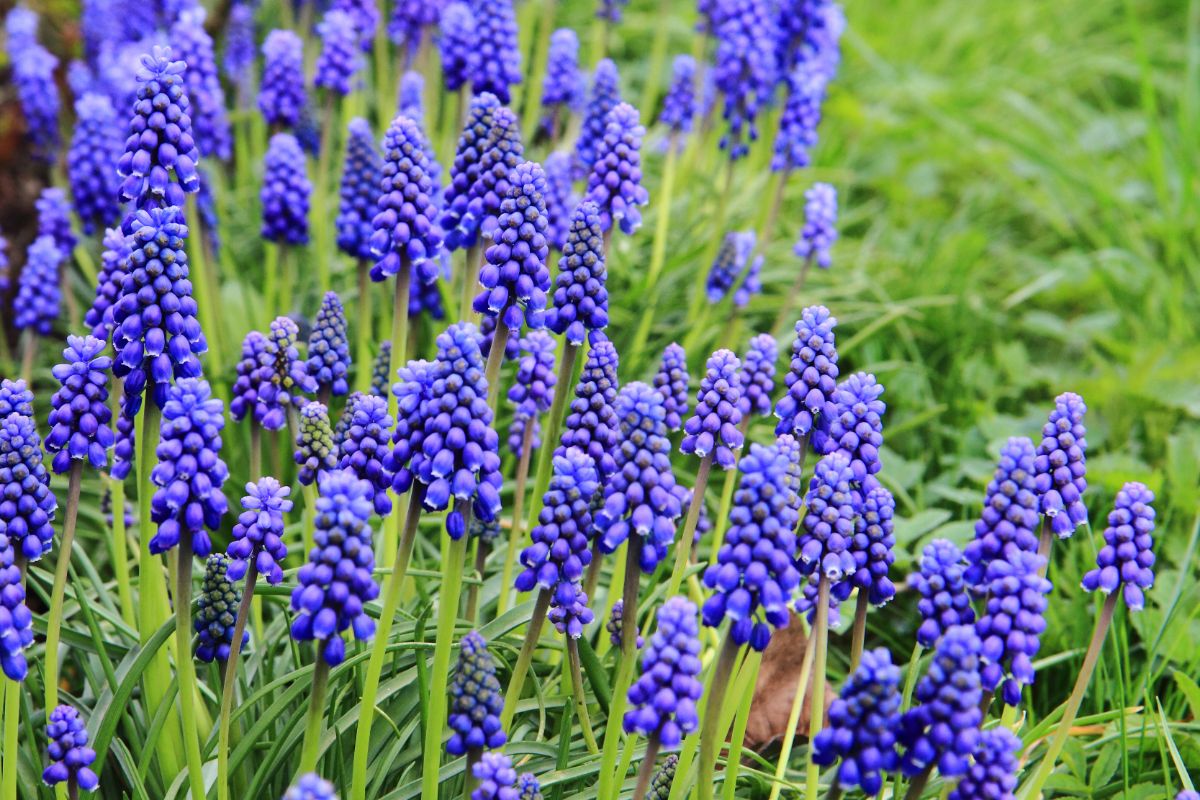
789	735
917	787
581	708
1033	789
207	299
609	779
186	667
310	752
287	280
860	629
255	451
683	545
270	282
384	96
910	684
12	722
230	683
452	576
120	552
28	354
816	716
646	770
722	522
516	681
399	356
57	594
746	681
391	602
658	54
362	329
518	517
1045	539
495	359
324	155
541	49
711	731
789	304
470	282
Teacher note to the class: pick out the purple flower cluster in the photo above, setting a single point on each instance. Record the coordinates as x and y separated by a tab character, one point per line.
604	97
1126	561
679	104
38	297
560	550
615	182
497	64
95	148
79	415
476	700
812	377
856	427
359	192
496	778
797	134
872	545
406	233
336	583
862	725
365	15
189	473
33	69
592	423
216	612
70	757
501	156
285	192
328	349
560	198
663	699
941	582
615	624
414	405
408	22
1012	623
160	137
314	444
560	88
610	10
757	376
533	390
672	382
194	47
820	225
753	576
515	278
464	171
311	787
258	535
16	623
828	529
1061	465
15	398
745	69
580	293
54	218
364	449
993	775
379	369
457	45
731	261
281	96
252	377
640	497
1008	524
285	378
943	730
340	53
751	284
713	427
239	43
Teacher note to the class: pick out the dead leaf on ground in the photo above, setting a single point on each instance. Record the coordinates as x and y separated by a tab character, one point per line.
776	689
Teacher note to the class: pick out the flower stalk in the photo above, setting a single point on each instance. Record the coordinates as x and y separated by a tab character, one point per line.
683	545
186	667
817	714
309	751
518	517
58	592
229	684
712	731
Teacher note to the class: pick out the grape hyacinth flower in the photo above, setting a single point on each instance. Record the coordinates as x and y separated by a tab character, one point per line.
828	530
409	20
314	444
820	226
340	58
679	104
615	624
257	537
942	731
281	96
610	10
5	275
731	261
54	218
414	403
476	700
123	449
496	778
285	192
16	622
411	103
872	545
1061	465
1008	524
994	771
745	71
528	787
751	284
252	373
663	699
856	427
464	171
406	234
337	583
311	787
189	473
503	152
460	452
80	415
497	64
70	757
615	182
560	553
96	146
672	381
456	44
15	398
561	83
1126	561
239	53
1012	623
328	350
33	69
664	777
365	16
797	135
560	199
604	97
38	298
592	424
640	497
156	335
364	449
533	390
359	191
812	377
753	576
160	139
285	378
379	370
944	602
862	725
757	376
214	137
580	294
713	427
216	612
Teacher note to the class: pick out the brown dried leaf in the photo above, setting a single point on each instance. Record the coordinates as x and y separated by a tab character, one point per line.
776	688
